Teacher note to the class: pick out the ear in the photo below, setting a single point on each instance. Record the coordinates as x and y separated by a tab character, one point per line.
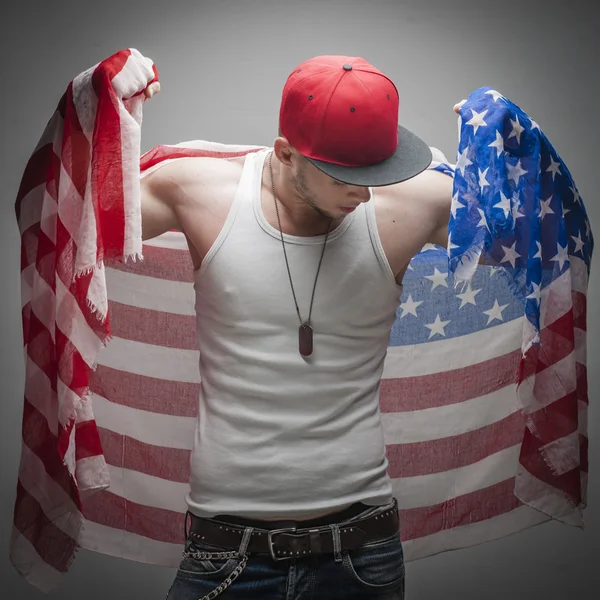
285	152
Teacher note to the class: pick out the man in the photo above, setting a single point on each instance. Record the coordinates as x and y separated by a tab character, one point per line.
299	253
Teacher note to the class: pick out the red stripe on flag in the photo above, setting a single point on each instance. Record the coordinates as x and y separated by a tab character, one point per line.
75	151
463	510
87	440
72	369
556	342
532	459
35	174
123	451
557	419
66	251
159	524
110	68
45	262
54	547
41	350
106	508
29	244
146	393
44	444
448	387
152	326
107	181
453	452
162	263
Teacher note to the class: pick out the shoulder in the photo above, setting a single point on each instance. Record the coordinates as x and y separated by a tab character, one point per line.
427	196
416	211
184	178
426	191
428	186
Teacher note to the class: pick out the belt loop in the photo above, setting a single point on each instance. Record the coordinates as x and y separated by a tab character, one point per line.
337	542
245	541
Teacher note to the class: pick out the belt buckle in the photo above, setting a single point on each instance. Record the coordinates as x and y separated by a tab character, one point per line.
270	535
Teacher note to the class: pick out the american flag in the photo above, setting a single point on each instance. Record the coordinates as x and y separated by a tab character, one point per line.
472	456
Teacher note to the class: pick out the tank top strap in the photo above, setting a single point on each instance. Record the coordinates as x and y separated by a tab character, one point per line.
242	195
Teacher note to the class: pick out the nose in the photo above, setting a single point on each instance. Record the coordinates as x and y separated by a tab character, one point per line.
361	193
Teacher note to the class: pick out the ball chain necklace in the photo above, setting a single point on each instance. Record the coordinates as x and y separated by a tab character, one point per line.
305	331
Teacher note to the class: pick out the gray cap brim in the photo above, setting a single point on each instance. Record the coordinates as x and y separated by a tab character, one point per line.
412	157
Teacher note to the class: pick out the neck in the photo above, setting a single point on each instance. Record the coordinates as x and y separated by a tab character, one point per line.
297	214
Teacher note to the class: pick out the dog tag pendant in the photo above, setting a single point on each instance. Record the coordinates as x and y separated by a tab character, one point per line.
305	339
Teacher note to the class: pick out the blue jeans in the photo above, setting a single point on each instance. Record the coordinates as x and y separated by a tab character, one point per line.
374	571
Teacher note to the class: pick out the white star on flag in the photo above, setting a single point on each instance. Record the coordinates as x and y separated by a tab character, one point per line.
429	247
456	205
516	171
537	291
578	243
534	125
516	214
576	196
504	204
468	297
437	278
510	255
410	307
463	162
554	168
517	129
493	271
539	252
437	327
498	144
495	94
483	182
451	246
562	255
495	312
477	120
483	220
545	208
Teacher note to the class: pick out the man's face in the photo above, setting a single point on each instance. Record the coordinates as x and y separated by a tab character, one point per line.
328	197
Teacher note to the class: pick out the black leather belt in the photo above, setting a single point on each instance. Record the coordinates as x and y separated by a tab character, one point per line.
296	542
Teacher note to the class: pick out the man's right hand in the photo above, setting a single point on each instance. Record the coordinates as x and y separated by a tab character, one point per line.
152	89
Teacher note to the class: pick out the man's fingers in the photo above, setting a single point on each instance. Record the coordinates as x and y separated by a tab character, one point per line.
458	105
152	89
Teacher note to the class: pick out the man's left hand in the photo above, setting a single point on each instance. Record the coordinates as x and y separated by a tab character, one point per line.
457	106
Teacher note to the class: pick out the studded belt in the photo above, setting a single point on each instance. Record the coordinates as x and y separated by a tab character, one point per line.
295	542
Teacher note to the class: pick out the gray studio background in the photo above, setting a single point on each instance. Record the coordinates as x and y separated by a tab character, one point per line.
222	66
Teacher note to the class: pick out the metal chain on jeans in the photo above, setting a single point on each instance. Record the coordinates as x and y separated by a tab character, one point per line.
219	556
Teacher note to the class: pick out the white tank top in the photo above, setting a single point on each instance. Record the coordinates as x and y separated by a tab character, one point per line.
279	434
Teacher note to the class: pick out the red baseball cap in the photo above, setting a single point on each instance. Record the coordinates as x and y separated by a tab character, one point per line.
341	113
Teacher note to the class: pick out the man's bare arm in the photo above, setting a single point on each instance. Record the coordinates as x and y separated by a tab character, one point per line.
157	199
159	213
